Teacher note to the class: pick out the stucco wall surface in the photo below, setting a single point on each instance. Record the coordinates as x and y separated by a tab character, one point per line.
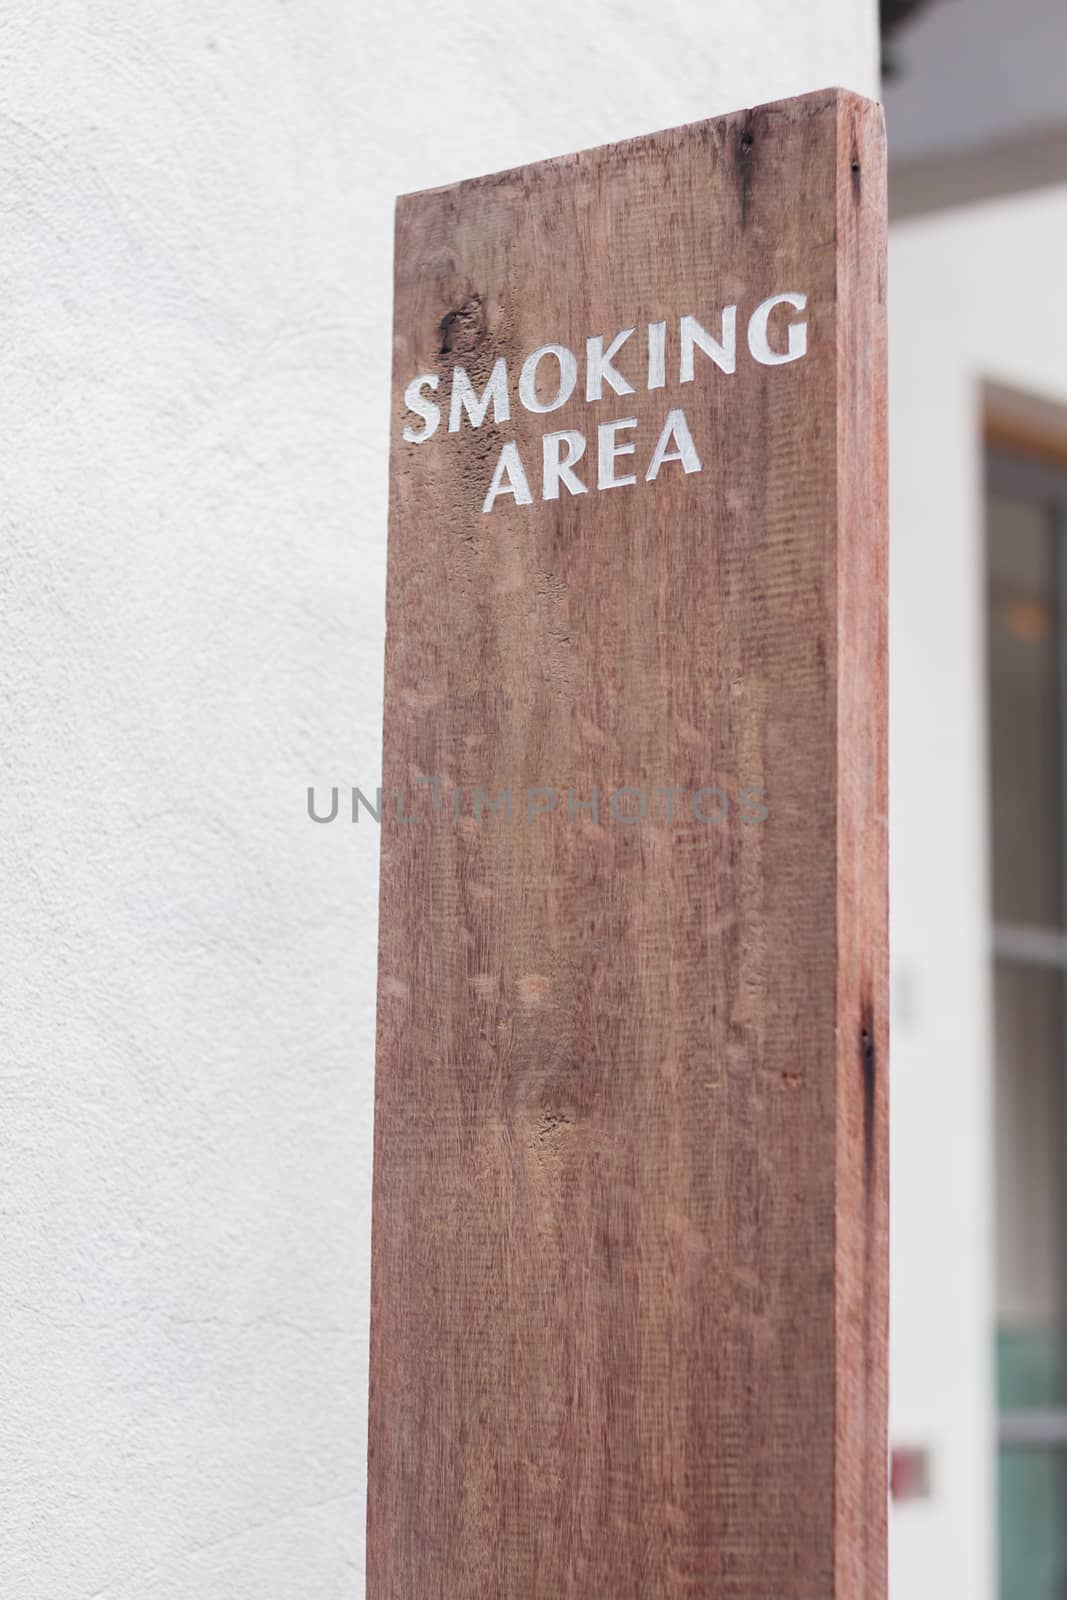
195	265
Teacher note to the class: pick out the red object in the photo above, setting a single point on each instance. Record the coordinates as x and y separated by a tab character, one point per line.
909	1473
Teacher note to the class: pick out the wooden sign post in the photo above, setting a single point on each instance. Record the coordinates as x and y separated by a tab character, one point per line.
629	1237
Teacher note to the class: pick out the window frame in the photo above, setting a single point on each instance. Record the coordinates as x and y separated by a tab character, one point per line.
1040	483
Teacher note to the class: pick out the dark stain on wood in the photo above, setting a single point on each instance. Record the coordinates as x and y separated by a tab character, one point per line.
869	1069
744	148
462	329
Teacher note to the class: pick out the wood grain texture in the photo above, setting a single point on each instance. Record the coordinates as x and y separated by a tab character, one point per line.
629	1235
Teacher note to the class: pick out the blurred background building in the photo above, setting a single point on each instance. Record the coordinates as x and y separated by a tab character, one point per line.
978	618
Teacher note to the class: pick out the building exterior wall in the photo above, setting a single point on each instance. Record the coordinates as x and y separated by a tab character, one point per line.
196	277
975	296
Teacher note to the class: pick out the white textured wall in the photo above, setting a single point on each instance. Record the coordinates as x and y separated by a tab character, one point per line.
976	294
195	303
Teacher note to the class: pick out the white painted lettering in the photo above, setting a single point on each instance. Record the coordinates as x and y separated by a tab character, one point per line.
685	451
657	355
693	336
773	339
416	401
607	450
558	468
509	477
476	406
568	377
758	341
598	367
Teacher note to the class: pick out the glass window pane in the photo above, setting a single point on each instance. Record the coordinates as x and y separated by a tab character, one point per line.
1033	1523
1031	1236
1024	744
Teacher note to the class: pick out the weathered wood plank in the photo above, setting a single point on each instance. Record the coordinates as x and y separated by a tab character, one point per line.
629	1248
